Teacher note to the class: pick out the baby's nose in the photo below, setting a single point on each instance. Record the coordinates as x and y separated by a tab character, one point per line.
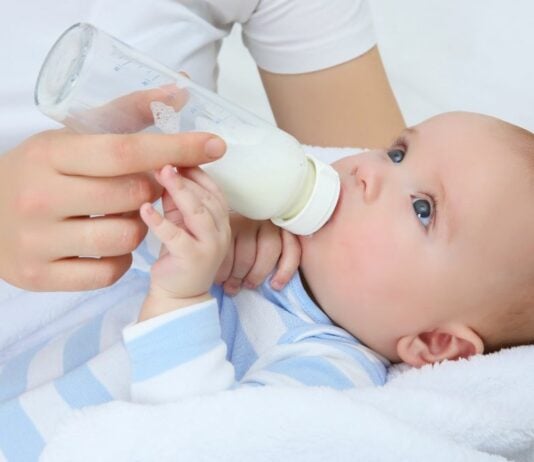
369	176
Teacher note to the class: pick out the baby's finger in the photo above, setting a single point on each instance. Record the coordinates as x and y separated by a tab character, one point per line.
196	216
218	211
232	285
224	271
165	231
170	210
269	248
244	258
214	201
289	260
200	177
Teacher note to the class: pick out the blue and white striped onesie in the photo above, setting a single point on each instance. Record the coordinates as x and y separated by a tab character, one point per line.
259	337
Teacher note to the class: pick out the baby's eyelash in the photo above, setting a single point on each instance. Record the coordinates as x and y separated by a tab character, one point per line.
401	142
434	207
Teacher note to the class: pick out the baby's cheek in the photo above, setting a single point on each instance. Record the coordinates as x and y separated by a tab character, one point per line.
373	246
377	259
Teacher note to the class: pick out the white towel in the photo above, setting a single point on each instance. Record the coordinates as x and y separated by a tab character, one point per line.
480	409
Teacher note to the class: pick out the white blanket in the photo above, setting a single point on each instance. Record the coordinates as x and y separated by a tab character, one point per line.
476	410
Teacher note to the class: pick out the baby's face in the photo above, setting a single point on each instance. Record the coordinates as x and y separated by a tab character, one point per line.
424	231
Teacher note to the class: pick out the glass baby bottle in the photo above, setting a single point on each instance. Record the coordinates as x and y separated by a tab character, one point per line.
89	78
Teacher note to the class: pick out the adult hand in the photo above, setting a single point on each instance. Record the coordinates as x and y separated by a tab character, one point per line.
52	183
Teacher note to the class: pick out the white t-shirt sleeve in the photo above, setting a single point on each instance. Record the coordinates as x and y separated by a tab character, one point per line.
290	37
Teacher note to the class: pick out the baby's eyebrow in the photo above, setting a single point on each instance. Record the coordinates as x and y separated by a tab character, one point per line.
410	131
406	135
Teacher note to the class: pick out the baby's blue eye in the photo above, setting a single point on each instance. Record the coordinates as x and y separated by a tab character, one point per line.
423	210
396	155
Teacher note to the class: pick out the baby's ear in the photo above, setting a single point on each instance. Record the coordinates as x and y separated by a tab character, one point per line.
452	341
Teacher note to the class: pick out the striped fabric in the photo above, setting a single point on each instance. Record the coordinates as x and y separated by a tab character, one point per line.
259	337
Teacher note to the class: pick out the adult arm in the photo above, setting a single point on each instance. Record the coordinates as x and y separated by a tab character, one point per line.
322	71
350	104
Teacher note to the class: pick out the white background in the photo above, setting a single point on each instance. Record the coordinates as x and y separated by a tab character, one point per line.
440	55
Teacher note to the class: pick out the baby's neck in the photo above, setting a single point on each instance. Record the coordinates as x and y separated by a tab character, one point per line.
308	289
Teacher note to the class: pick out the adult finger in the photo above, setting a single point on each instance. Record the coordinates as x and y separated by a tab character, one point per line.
115	155
75	274
103	195
98	236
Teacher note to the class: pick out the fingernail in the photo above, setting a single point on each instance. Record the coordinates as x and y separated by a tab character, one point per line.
149	209
230	290
249	285
276	285
215	147
171	171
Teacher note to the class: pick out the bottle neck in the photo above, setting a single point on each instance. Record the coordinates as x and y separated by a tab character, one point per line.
303	197
316	201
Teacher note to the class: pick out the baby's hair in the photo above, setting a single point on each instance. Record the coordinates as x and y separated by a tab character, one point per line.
512	326
514	323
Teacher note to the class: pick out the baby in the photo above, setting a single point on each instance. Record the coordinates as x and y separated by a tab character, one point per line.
427	257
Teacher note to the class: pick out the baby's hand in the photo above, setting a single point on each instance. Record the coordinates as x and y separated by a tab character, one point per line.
257	248
195	233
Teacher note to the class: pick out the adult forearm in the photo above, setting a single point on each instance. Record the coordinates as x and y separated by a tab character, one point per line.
351	104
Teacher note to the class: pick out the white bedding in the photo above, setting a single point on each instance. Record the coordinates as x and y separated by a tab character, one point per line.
476	410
